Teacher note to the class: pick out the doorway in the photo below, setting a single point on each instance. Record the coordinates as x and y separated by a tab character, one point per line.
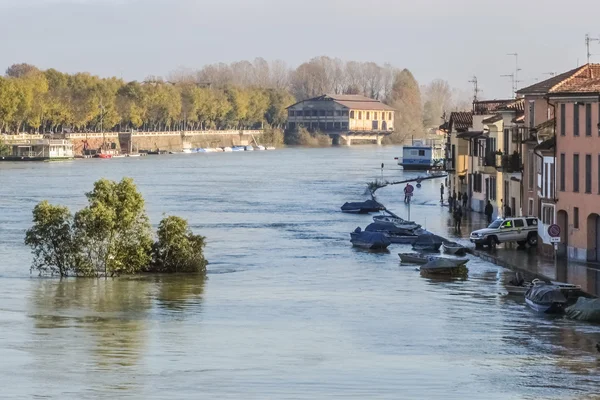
593	237
562	218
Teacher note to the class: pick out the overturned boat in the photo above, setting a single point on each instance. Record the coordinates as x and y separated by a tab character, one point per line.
445	267
415	258
454	248
544	298
369	240
362	207
585	309
428	242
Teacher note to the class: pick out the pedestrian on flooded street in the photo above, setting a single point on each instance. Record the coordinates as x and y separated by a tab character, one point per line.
489	211
459	199
465	200
450	202
458	214
442	193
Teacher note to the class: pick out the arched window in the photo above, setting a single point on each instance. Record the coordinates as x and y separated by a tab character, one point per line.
352	114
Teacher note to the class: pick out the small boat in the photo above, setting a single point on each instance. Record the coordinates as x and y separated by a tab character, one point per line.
218	150
227	149
395	234
585	309
415	258
237	148
369	240
200	150
270	148
249	148
119	156
399	222
446	267
545	298
454	248
427	242
134	155
362	207
261	148
187	151
103	155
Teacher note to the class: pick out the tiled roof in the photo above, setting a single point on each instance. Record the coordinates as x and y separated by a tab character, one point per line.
460	120
570	81
493	119
515	105
488	107
469	135
519	119
352	101
545	125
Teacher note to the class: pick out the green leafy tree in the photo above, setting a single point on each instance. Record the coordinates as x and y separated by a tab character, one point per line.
405	97
52	241
113	231
178	249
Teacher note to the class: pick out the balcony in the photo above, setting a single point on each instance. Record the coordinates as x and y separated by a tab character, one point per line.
490	163
510	163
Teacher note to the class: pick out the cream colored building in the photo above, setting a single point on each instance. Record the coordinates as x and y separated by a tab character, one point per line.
341	113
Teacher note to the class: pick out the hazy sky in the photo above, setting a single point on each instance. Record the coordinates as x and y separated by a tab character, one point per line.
448	39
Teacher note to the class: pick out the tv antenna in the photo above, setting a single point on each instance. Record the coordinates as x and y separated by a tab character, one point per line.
476	89
516	80
588	40
512	80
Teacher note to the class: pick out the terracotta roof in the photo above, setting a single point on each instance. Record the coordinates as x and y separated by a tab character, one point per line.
493	119
545	125
487	107
569	81
351	101
585	81
515	105
519	119
461	120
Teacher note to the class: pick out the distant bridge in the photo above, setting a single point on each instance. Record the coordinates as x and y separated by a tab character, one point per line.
348	137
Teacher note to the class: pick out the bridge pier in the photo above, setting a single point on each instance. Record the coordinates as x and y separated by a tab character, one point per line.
379	139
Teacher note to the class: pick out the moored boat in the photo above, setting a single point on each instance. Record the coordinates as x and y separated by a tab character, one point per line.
427	242
415	258
362	207
261	148
446	267
237	148
369	240
399	222
395	234
585	309
270	148
454	248
227	149
249	148
545	298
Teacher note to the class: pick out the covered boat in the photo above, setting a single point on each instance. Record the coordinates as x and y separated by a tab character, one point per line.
585	310
427	242
395	234
399	222
415	258
362	207
369	240
454	248
545	298
446	267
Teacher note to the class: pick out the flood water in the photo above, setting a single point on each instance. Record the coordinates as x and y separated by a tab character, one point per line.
289	310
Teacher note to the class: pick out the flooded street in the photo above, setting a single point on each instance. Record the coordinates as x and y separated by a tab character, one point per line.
289	310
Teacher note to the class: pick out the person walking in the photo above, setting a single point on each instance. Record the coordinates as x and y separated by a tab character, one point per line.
450	204
408	189
457	218
442	192
465	199
507	211
459	199
489	211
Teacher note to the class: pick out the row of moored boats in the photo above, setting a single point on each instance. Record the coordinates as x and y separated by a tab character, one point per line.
227	149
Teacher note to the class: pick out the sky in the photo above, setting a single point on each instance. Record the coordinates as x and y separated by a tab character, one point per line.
452	40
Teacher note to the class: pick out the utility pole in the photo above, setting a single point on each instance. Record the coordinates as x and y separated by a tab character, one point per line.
512	79
588	40
476	89
516	80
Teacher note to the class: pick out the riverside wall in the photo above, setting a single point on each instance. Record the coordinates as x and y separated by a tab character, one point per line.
171	141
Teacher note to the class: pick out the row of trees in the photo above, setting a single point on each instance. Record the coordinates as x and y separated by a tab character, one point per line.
242	94
50	101
110	237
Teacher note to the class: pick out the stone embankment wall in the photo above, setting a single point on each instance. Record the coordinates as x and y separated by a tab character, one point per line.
171	141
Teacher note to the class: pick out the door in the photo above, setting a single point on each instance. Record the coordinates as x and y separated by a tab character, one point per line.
598	238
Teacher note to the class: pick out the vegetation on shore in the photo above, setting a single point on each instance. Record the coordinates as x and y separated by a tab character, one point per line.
239	95
111	236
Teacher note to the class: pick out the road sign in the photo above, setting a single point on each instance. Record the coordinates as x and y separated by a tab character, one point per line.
554	231
555	240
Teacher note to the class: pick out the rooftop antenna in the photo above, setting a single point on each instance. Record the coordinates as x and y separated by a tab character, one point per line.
516	80
588	40
476	89
512	79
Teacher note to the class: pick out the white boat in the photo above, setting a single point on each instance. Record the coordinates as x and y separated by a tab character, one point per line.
237	148
270	148
218	150
134	155
398	222
259	147
227	149
200	150
211	150
249	148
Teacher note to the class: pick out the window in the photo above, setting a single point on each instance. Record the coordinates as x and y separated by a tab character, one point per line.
476	148
576	217
291	113
531	221
575	119
531	172
588	119
330	126
291	126
493	190
315	113
375	115
563	120
322	126
530	207
344	125
421	153
519	223
547	214
390	116
330	113
552	180
338	113
532	114
507	224
345	113
598	173
506	138
368	115
563	171
588	173
383	116
299	113
360	115
337	126
322	113
352	114
576	172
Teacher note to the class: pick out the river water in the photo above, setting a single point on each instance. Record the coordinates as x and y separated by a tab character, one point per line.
289	310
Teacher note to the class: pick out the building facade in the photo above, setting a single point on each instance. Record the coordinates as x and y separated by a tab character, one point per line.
341	113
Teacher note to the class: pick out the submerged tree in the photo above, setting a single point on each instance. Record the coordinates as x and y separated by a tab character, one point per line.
177	248
51	239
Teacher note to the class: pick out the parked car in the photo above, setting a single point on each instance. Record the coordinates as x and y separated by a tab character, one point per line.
522	230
